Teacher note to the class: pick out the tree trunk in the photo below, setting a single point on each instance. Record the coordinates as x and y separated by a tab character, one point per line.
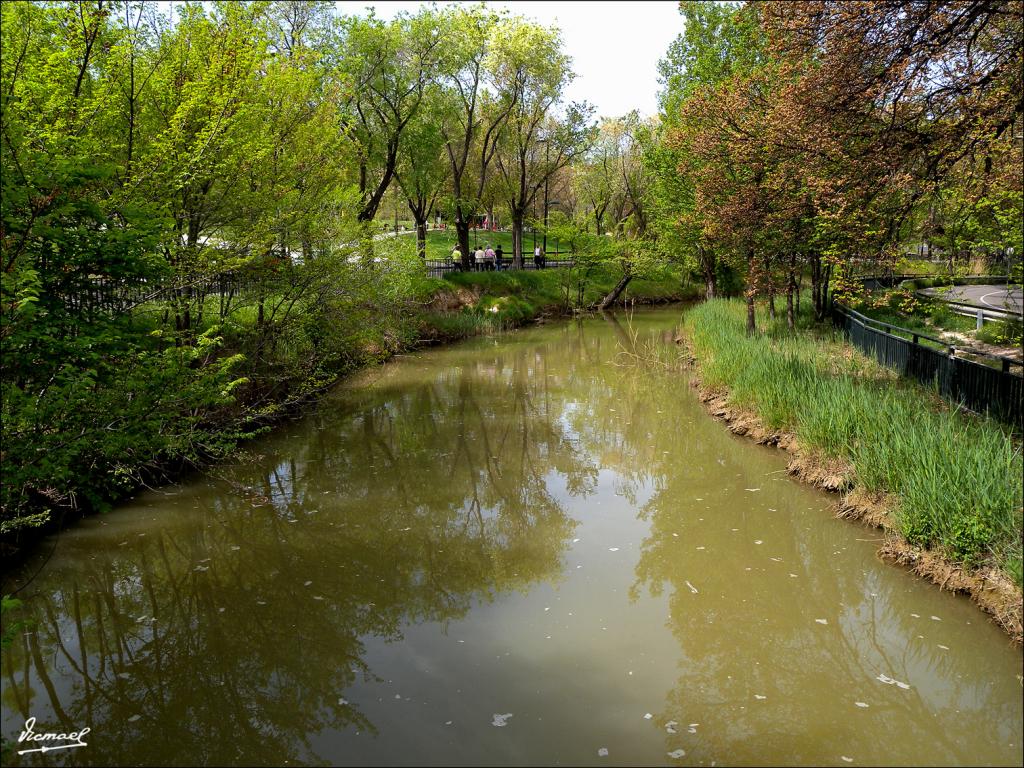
462	235
790	289
518	219
816	285
421	237
771	297
751	292
824	308
615	292
707	266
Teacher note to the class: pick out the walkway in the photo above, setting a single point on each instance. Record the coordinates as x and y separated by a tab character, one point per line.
997	297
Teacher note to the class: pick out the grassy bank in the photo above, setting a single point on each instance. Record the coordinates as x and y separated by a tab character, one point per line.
465	304
953	482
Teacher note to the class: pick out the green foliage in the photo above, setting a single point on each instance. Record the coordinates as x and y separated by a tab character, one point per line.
1002	332
11	628
143	163
956	479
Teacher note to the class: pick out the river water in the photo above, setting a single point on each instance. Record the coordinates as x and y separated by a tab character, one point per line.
536	549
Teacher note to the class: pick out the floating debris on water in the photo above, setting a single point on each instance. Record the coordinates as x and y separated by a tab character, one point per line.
677	753
892	681
693	589
500	721
648	716
821	621
758	541
759	697
935	618
944	647
862	704
613	549
846	759
342	702
602	752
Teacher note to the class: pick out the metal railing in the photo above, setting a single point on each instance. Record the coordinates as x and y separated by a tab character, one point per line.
442	267
995	389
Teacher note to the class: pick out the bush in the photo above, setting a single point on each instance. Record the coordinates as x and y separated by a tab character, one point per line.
1002	332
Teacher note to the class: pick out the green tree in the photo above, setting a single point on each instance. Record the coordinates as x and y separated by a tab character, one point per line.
385	69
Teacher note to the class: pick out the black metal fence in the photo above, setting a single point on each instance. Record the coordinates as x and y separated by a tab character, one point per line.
96	294
979	387
441	267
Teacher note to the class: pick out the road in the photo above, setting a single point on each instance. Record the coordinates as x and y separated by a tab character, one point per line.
984	296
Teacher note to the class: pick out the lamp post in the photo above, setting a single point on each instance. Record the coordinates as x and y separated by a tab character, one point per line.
547	176
551	204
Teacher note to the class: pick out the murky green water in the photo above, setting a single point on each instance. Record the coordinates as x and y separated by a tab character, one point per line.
515	531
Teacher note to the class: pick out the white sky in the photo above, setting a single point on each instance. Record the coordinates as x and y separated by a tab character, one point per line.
615	45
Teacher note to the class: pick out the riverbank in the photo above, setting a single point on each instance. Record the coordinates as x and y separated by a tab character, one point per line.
466	304
163	437
945	487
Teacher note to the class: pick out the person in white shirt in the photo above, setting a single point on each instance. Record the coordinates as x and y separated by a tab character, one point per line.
478	257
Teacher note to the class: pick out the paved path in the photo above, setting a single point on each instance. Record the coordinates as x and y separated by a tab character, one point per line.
984	296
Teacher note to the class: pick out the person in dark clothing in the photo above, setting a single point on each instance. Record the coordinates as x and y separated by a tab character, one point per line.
499	258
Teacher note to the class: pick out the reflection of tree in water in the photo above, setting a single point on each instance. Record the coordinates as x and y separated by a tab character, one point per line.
231	635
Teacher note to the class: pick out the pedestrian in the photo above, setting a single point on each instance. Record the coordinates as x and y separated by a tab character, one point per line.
537	262
489	258
456	257
478	257
499	258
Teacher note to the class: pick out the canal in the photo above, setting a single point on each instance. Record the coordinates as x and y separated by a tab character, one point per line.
531	549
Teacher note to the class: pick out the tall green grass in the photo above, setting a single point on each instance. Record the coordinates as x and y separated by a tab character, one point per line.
956	479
